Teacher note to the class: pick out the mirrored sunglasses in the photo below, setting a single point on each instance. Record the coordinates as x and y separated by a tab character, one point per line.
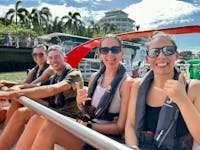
114	50
37	55
167	51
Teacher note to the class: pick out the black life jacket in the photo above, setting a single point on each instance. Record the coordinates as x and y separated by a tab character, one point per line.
102	110
164	137
35	70
58	100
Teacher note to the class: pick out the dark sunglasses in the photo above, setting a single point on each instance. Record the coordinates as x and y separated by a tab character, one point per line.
37	54
114	50
167	51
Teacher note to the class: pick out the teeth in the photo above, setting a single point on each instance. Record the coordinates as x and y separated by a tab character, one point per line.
161	64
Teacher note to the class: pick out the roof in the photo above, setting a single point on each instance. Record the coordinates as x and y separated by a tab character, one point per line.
57	34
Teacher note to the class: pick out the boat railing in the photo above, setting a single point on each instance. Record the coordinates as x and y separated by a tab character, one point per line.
90	136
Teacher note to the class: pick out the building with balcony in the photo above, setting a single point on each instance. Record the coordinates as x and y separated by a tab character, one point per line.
120	19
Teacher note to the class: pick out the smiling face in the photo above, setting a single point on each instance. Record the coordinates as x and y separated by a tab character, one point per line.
111	59
56	60
161	64
39	56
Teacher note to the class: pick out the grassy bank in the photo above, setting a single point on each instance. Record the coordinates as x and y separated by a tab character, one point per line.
13	76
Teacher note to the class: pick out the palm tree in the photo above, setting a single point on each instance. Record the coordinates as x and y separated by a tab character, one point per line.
56	26
105	27
73	22
40	18
108	27
17	12
93	27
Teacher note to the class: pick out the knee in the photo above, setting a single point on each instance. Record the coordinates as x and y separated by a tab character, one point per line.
48	129
36	120
22	115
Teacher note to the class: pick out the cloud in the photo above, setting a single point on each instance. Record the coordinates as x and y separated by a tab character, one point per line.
4	9
155	13
81	1
86	14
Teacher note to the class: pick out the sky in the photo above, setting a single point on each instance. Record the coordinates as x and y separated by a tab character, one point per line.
149	14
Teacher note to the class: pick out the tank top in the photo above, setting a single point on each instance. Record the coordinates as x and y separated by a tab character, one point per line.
151	120
98	93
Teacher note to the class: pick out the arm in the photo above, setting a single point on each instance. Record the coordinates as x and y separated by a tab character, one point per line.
28	76
45	75
190	109
40	91
7	83
118	127
189	104
130	136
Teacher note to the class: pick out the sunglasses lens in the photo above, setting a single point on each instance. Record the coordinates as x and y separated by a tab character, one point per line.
154	52
114	50
169	50
104	50
38	54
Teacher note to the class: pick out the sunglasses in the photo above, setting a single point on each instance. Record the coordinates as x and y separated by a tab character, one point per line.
167	51
114	50
37	55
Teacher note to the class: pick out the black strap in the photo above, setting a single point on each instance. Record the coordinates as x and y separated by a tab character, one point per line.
101	112
167	121
35	70
58	99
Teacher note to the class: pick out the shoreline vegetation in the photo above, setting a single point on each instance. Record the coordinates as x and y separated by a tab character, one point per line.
16	76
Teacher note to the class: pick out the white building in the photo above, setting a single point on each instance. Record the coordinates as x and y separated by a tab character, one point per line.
120	19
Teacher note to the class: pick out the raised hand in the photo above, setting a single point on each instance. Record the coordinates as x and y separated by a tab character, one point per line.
175	89
82	95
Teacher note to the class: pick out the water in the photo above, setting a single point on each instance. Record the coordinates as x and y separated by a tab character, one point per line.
13	76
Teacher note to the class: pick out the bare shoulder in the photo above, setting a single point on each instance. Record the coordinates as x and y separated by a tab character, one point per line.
194	94
194	87
129	81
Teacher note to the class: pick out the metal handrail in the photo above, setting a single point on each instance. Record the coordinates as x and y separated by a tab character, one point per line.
90	136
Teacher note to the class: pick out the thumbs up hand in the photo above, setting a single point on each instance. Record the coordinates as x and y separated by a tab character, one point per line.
175	89
82	95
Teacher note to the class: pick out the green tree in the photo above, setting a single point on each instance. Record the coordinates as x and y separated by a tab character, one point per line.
186	55
72	22
56	26
17	12
108	27
93	28
41	19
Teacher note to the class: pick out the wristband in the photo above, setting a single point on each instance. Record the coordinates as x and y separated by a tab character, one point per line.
89	124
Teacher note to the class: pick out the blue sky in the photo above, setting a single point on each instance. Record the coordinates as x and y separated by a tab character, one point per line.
149	14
